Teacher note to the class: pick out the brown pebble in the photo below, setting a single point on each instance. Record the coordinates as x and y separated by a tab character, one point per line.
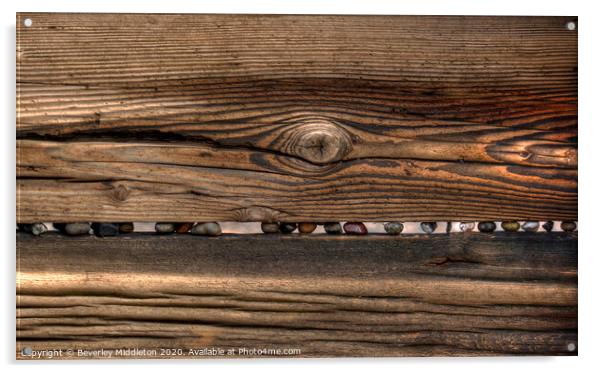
270	228
355	228
307	227
183	227
126	227
510	226
568	226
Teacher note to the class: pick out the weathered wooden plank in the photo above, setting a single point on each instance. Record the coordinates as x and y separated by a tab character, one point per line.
506	87
379	117
96	181
458	294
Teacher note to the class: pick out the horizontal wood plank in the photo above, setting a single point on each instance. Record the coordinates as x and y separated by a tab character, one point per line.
506	87
375	117
456	294
88	181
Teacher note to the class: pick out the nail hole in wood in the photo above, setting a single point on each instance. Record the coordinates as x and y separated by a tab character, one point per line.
571	26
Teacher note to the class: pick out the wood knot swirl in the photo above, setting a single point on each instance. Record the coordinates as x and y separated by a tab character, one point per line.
120	193
318	141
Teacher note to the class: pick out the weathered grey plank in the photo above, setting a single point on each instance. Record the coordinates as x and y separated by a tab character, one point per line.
458	294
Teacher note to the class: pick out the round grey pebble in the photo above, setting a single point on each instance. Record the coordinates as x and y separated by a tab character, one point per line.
428	226
77	229
486	226
36	228
287	227
270	227
333	228
530	226
467	226
394	228
568	226
207	229
165	228
548	226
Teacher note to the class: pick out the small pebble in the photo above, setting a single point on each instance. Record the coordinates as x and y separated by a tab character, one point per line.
126	227
36	228
207	229
355	228
428	226
105	229
270	227
486	226
165	228
77	229
510	226
548	226
333	228
287	227
568	226
531	226
467	226
394	228
307	227
183	227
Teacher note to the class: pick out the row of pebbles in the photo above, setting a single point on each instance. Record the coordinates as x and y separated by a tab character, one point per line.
350	228
395	228
114	229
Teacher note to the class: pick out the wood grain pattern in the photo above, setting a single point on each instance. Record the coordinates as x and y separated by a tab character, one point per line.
389	117
457	294
88	181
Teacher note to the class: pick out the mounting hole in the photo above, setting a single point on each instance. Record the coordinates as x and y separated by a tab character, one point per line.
571	26
27	22
571	347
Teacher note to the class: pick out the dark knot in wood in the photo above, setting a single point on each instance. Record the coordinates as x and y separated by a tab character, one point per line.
318	142
120	193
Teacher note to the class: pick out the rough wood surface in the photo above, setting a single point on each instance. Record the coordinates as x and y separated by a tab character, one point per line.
98	181
257	117
458	294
